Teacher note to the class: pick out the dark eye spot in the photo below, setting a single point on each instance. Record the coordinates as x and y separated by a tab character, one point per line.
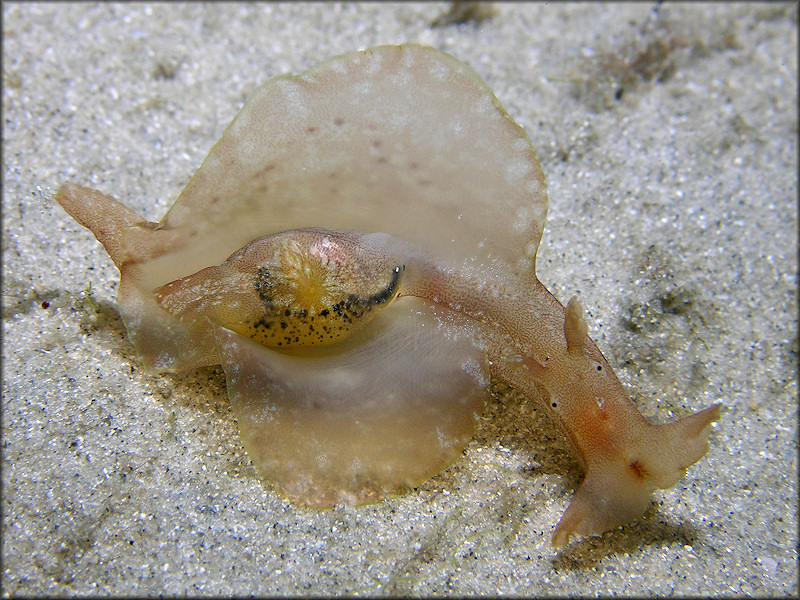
599	368
554	405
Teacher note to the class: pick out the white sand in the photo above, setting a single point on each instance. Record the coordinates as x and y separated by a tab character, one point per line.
118	481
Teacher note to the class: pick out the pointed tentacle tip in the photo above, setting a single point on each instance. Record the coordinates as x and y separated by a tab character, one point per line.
575	327
569	524
670	449
599	507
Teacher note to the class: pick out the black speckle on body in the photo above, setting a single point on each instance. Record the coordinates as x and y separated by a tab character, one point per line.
282	326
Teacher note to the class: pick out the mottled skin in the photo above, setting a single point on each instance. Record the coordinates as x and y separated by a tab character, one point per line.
298	288
356	361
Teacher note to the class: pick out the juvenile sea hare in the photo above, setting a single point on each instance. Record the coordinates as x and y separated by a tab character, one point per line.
358	252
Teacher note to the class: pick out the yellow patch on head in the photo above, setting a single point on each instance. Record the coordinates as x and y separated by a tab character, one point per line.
307	277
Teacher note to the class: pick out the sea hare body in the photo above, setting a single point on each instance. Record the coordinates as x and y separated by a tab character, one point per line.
358	252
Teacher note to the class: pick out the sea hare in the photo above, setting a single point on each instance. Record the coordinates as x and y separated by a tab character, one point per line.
358	252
